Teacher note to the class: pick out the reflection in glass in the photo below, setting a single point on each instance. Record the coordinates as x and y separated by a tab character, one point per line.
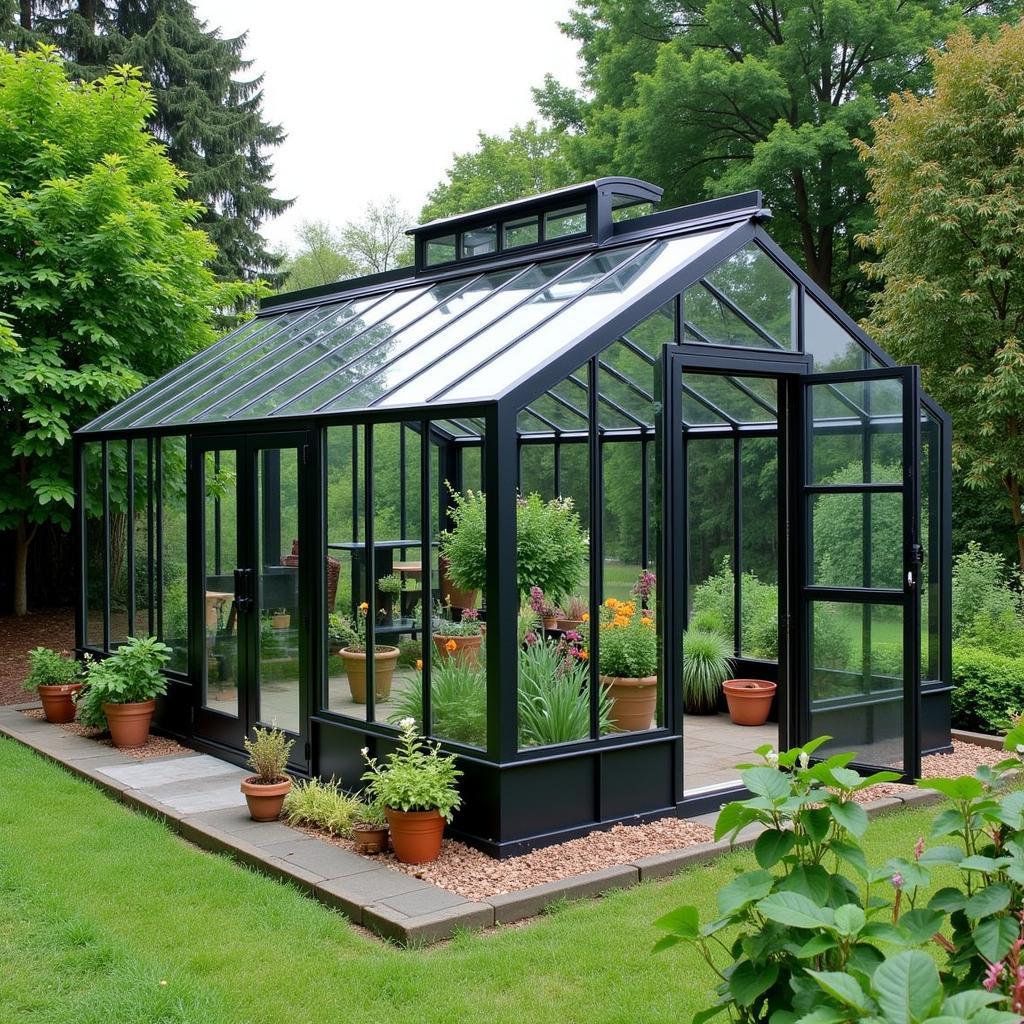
95	550
559	223
831	345
480	241
521	232
440	250
118	527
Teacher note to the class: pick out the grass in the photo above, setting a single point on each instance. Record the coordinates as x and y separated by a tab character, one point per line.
99	906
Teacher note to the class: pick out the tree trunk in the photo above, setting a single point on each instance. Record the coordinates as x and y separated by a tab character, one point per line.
1012	483
22	539
26	15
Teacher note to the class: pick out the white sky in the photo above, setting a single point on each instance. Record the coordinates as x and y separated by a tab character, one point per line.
376	97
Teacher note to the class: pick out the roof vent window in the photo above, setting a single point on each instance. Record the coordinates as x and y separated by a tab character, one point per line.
562	223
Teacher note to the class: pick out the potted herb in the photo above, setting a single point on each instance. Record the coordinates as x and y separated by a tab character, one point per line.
120	692
546	611
707	663
370	831
572	614
56	678
269	783
416	787
460	640
353	655
628	659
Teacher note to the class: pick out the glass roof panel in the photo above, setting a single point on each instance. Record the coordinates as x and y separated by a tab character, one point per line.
696	413
710	320
829	343
652	334
564	418
527	423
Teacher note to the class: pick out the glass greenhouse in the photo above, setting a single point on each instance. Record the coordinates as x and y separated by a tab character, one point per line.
467	465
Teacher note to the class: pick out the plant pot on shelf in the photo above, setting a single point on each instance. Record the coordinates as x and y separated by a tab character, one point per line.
384	661
749	700
549	621
129	723
265	800
568	625
633	700
370	839
466	649
451	594
416	835
281	621
59	702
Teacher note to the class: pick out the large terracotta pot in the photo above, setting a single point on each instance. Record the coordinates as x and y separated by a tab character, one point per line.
749	700
569	625
633	701
59	702
384	661
467	648
129	723
265	800
416	835
451	594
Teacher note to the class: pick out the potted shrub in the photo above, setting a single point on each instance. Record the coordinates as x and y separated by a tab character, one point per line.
573	613
628	659
460	640
120	692
416	787
56	678
269	783
351	645
546	611
389	588
749	700
370	831
707	662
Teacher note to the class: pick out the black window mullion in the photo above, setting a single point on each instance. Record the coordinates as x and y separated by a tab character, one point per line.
426	576
370	596
596	546
129	531
105	470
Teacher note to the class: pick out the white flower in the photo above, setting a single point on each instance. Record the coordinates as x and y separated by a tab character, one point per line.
365	751
804	759
772	758
406	724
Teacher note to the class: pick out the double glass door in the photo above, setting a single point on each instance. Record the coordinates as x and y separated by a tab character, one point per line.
250	652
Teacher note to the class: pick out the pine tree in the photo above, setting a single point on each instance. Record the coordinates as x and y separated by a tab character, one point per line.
208	113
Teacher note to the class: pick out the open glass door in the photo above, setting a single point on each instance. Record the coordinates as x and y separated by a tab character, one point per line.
858	614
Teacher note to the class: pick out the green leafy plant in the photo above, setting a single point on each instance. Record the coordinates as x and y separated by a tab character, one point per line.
48	668
445	624
415	777
340	631
131	675
707	663
393	583
372	814
458	702
268	752
323	805
987	687
629	642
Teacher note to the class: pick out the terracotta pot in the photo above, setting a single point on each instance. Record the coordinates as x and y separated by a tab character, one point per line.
416	835
265	800
370	839
749	700
58	702
567	625
129	723
384	661
281	621
451	594
467	648
633	701
549	621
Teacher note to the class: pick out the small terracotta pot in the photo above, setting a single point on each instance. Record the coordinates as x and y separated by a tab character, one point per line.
749	700
265	800
370	839
384	661
58	702
467	648
567	625
129	723
281	621
549	621
451	594
416	835
633	700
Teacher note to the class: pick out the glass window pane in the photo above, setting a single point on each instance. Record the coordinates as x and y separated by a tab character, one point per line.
142	539
537	470
480	241
173	561
440	250
521	232
831	345
117	475
711	321
559	223
931	540
858	539
95	550
759	548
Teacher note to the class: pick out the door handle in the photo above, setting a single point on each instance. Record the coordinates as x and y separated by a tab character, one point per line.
243	589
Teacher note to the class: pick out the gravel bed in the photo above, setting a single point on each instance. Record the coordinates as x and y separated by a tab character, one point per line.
50	628
156	746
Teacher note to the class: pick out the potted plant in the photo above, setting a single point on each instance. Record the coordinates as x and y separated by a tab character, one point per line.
749	700
267	787
546	611
388	588
56	678
120	692
460	640
353	655
370	831
572	614
280	618
628	660
416	787
707	663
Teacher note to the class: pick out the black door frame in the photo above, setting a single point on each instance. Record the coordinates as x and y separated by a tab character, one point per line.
208	725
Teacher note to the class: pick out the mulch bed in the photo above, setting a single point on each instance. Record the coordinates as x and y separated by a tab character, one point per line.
54	627
156	746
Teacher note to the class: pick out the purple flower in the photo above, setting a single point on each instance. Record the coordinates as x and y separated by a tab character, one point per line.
897	881
470	614
645	585
530	639
992	975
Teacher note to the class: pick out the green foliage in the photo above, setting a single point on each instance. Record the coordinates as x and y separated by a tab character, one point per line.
988	689
947	178
551	548
341	632
445	625
48	668
377	241
987	605
458	702
323	805
415	777
712	609
320	258
629	641
707	663
268	752
131	675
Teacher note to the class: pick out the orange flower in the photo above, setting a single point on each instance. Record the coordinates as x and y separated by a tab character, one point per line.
451	646
611	603
583	655
419	664
586	616
364	607
647	621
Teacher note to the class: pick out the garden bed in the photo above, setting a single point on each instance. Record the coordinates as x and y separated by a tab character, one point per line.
48	628
156	746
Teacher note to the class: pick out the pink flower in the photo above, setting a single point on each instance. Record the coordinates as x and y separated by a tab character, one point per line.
470	614
530	639
992	975
645	585
897	881
919	848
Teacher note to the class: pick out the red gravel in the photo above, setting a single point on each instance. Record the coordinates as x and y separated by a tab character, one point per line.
156	746
53	627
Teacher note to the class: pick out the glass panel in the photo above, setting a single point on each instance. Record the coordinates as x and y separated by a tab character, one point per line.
95	552
624	513
930	534
733	396
710	320
521	232
480	241
567	419
117	475
857	680
832	346
440	250
628	382
696	411
858	539
220	559
537	470
656	331
559	223
142	539
173	561
759	547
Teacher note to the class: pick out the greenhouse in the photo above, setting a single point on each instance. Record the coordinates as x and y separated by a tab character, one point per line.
579	435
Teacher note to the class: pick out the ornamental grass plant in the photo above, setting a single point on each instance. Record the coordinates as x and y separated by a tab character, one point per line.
268	752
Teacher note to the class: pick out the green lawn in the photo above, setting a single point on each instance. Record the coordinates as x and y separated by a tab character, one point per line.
99	906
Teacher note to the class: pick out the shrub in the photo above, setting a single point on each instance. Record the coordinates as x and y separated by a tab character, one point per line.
131	675
712	610
987	689
445	625
458	702
48	668
323	805
341	632
268	752
982	589
629	641
707	663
